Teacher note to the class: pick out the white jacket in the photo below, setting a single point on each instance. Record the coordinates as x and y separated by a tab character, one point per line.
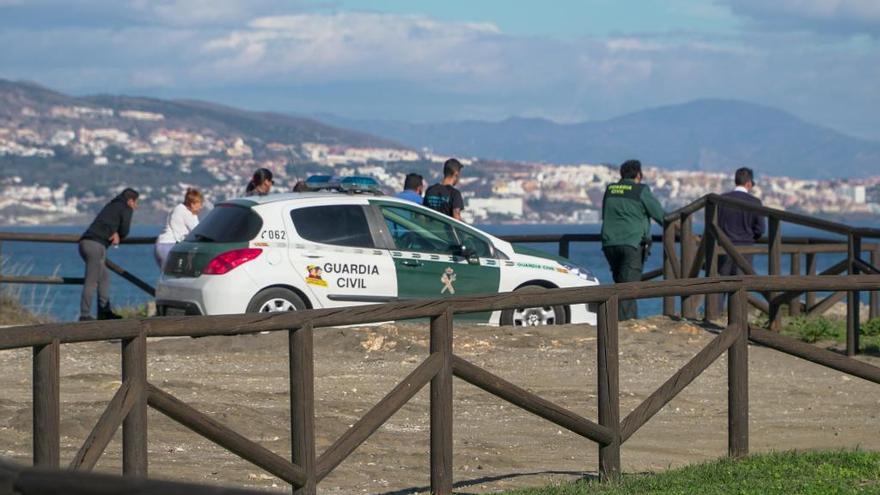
179	224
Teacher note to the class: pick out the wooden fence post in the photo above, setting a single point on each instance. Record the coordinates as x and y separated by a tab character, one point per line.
441	406
300	344
774	265
609	391
688	255
794	306
47	406
134	426
853	297
712	309
738	376
874	297
810	299
668	271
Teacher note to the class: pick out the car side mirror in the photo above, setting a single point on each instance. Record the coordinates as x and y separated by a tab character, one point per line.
465	252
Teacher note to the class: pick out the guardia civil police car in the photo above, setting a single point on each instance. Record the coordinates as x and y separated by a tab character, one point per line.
343	245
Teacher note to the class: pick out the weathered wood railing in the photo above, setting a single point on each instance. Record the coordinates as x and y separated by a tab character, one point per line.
702	253
40	237
307	467
678	226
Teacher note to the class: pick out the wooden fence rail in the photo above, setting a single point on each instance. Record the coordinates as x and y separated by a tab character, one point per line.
795	246
704	256
307	467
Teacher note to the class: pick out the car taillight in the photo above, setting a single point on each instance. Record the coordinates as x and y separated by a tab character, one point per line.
225	262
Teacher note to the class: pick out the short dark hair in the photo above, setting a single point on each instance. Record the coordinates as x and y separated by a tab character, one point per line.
129	194
630	169
451	167
412	182
743	175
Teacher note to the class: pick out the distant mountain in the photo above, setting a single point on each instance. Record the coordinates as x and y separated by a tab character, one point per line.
709	134
189	114
63	155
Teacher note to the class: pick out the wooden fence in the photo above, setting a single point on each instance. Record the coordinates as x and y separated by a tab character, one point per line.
700	254
307	467
678	226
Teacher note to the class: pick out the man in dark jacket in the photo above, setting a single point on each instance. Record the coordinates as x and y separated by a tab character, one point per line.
627	210
741	226
108	229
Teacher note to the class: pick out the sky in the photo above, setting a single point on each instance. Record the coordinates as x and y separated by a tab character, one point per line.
431	60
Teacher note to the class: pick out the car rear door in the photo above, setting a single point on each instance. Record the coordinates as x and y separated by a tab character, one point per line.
338	257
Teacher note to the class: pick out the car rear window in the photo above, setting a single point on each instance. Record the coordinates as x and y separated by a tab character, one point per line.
227	223
341	225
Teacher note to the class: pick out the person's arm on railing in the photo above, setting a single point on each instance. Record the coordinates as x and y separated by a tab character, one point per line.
759	222
124	222
652	206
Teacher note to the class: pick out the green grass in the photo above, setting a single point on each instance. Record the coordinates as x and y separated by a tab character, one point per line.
823	329
837	472
138	311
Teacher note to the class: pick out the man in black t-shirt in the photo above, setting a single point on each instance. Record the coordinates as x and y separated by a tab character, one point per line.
444	197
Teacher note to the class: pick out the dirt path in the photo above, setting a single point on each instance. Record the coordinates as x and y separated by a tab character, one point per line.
242	382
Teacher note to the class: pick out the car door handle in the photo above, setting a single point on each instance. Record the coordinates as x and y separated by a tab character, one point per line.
313	256
411	262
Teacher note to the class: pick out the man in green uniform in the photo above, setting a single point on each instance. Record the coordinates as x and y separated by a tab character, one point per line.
627	210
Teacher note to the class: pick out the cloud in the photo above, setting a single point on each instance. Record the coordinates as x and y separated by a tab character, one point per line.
420	68
829	16
205	13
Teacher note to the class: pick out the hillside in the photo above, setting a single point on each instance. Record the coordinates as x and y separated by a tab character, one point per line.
711	135
178	114
63	155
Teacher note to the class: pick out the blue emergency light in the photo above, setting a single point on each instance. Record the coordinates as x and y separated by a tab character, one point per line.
359	184
351	184
319	182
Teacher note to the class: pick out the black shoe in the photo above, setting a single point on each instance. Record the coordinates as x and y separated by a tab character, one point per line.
109	315
106	313
86	318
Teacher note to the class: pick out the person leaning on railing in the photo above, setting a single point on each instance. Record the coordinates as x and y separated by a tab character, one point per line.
109	228
741	226
627	209
180	222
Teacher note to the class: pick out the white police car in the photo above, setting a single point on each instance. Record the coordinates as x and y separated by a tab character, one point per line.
285	252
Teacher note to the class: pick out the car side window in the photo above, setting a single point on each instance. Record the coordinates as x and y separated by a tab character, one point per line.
341	225
416	231
474	244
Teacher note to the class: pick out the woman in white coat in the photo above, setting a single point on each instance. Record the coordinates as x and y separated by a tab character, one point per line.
182	219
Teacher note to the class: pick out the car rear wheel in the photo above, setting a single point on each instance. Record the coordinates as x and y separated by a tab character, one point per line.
275	300
533	316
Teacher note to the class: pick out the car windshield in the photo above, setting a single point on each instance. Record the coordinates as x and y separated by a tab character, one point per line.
227	223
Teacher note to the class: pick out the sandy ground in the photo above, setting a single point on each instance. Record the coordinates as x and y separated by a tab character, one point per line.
242	382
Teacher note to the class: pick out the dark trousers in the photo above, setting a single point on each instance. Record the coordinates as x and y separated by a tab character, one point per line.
626	266
727	267
97	277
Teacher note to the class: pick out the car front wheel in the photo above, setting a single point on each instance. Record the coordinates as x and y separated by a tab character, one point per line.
274	300
534	316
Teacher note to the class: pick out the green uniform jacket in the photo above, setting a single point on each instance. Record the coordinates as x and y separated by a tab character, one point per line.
627	210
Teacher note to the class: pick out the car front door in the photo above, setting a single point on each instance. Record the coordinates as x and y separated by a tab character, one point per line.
427	258
337	254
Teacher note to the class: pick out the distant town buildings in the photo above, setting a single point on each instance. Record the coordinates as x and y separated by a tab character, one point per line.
494	191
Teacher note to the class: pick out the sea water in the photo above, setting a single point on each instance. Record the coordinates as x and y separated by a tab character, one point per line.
61	302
